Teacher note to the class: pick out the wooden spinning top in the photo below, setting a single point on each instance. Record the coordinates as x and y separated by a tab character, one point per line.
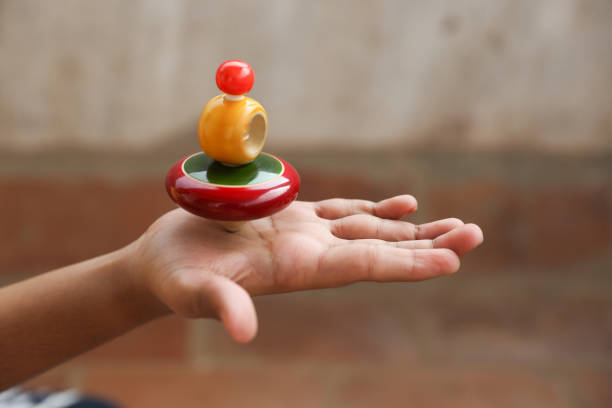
231	180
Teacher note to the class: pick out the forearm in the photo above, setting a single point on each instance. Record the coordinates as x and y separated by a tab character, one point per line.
58	315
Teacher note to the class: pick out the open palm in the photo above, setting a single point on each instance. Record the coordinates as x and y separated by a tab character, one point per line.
197	269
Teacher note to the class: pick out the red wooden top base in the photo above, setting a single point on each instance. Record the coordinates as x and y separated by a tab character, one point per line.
211	190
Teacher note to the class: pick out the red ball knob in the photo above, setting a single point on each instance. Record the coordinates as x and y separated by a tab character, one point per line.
235	77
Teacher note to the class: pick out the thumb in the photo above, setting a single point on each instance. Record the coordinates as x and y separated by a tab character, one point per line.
234	307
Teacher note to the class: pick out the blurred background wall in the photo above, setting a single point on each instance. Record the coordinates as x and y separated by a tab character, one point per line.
499	113
466	74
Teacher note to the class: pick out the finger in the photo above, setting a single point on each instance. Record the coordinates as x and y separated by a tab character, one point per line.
434	229
413	244
345	264
368	226
461	240
234	307
391	208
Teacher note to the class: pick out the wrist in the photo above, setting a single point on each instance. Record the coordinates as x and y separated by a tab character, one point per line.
134	296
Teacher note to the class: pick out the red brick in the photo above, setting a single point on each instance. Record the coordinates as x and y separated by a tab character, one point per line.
451	387
465	318
261	386
566	319
568	225
317	185
528	226
337	326
165	339
594	387
48	224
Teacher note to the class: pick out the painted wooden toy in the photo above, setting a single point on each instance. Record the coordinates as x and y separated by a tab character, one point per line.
232	181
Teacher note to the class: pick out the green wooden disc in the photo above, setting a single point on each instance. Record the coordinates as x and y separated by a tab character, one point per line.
207	170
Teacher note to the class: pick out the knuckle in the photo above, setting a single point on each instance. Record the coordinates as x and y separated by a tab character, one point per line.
339	227
372	259
188	298
415	231
455	221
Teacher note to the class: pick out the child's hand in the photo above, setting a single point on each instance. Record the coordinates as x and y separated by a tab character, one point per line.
197	269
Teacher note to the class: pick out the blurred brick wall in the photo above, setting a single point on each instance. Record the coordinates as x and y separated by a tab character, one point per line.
495	112
527	322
